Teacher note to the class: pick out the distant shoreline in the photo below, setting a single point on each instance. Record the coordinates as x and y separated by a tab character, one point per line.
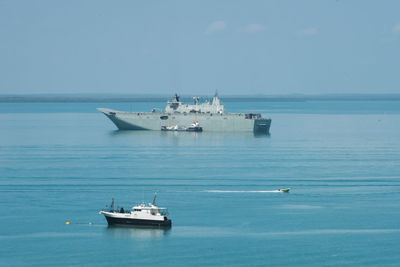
185	98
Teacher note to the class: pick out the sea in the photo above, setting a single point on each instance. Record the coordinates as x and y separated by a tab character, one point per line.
64	162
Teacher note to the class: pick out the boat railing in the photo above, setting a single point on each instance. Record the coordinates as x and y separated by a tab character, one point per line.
117	210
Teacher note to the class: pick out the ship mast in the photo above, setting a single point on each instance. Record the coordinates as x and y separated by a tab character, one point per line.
112	204
154	199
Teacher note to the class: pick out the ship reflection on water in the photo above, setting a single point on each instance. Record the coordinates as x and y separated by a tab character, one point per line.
173	134
136	232
201	139
261	134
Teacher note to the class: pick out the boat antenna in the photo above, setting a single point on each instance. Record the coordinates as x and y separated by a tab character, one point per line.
112	204
154	199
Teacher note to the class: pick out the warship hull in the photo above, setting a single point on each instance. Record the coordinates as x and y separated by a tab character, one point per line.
228	122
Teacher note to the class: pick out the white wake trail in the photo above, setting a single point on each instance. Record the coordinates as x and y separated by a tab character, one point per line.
242	191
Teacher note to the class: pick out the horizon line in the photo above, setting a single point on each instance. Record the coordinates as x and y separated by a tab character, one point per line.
93	97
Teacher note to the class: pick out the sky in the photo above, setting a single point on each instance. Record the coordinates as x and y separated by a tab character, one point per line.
195	47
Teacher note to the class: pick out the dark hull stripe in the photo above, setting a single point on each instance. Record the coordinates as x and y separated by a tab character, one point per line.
137	222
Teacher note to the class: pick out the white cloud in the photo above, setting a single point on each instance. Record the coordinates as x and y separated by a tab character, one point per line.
252	28
216	26
396	29
308	32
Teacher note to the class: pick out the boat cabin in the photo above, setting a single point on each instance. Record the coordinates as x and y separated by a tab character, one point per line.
150	209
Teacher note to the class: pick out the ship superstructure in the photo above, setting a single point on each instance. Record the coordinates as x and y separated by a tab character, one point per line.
211	115
214	107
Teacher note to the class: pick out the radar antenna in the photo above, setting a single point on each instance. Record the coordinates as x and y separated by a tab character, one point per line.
176	97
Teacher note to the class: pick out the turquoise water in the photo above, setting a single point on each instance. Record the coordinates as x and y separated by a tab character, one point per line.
64	162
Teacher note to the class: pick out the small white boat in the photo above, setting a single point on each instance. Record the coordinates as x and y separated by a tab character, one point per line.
172	128
194	127
284	190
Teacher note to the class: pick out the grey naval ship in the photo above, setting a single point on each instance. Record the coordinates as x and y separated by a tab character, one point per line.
210	115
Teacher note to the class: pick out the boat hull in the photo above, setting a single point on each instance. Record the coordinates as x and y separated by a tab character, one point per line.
136	222
230	122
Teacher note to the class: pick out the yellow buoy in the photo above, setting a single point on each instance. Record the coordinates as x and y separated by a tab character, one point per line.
67	223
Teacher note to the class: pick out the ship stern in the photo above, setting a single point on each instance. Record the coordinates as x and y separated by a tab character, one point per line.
262	125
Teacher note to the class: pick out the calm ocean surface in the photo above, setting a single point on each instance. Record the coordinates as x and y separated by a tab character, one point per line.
65	161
